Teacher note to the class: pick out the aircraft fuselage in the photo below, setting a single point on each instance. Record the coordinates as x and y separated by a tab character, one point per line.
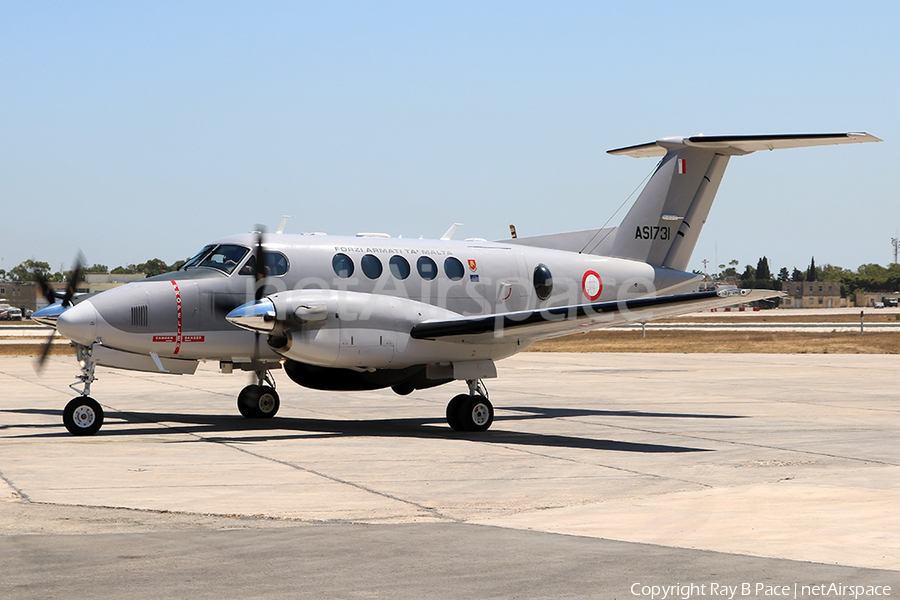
378	289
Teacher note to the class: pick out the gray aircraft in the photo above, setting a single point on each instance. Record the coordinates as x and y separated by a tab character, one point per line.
371	311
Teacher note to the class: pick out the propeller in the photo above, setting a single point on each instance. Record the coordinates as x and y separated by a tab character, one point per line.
228	303
50	295
259	275
260	266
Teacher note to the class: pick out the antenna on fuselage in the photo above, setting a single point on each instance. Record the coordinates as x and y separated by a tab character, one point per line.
450	232
281	225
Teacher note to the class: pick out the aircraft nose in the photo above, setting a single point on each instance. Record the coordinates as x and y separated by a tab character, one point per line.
79	323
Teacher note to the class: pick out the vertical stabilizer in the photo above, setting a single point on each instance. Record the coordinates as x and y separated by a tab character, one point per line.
664	223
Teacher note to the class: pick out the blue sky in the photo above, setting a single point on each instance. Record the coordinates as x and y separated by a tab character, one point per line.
140	130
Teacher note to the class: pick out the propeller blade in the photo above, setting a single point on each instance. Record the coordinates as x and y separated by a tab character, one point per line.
44	285
260	266
260	275
40	360
74	280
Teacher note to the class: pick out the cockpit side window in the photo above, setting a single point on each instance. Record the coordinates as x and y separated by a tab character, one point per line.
225	257
274	264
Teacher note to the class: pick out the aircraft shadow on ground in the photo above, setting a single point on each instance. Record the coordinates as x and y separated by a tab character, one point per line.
216	428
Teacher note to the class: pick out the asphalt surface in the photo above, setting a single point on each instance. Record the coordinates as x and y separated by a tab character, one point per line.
601	471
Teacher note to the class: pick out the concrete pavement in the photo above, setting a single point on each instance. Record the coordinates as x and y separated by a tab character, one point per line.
601	470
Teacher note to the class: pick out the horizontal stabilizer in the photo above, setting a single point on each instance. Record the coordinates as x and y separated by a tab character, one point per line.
743	144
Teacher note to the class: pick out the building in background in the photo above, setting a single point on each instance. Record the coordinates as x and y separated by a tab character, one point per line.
19	294
812	294
100	282
27	295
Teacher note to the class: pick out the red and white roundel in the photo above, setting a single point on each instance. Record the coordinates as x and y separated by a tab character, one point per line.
592	285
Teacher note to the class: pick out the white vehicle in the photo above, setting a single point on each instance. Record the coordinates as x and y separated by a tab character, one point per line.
14	314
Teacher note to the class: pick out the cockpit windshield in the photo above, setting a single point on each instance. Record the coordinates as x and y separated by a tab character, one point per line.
224	257
194	260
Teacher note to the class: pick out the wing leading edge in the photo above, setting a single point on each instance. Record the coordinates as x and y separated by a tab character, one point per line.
564	320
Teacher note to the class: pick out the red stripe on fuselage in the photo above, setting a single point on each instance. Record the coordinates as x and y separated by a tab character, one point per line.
178	328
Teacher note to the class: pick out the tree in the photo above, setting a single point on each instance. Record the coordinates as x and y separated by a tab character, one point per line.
797	275
728	273
811	273
153	267
97	268
872	277
762	269
748	277
784	275
26	271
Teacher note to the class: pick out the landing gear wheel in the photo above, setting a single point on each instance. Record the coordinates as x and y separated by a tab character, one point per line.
83	416
453	419
258	402
476	413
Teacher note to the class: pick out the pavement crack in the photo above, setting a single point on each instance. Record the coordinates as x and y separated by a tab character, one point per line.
22	495
432	511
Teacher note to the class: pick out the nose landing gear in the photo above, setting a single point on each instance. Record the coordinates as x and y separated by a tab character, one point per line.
472	411
83	415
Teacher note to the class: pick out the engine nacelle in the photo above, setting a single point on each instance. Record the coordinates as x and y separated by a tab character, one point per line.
333	328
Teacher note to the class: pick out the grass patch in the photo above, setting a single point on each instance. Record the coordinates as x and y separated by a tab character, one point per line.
784	317
35	350
737	342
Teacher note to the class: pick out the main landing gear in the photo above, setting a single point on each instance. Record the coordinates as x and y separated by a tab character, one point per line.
472	411
83	415
259	401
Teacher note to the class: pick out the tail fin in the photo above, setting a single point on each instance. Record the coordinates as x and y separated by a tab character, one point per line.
664	223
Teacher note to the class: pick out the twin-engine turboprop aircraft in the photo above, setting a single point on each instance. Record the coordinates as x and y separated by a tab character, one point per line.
369	312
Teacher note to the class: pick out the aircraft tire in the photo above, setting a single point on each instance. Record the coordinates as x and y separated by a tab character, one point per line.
476	413
453	419
83	416
258	402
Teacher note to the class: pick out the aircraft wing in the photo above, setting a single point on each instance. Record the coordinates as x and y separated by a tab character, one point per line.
556	322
